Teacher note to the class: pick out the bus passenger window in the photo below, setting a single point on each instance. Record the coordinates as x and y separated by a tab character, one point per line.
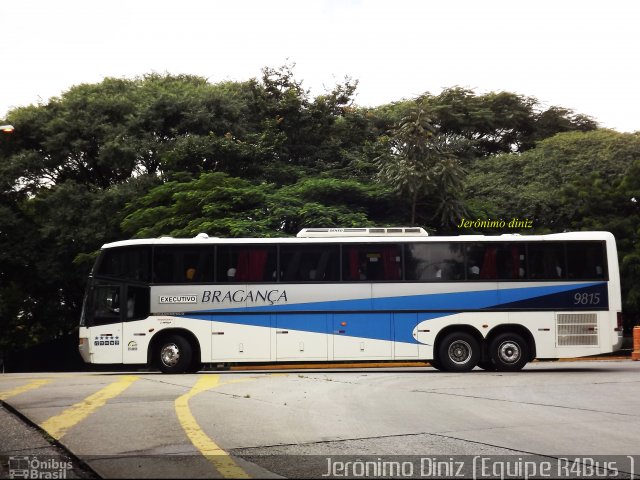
310	263
247	264
127	263
496	261
547	261
585	260
434	261
482	261
183	264
371	262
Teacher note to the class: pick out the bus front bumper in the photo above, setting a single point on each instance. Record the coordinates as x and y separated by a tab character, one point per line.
83	348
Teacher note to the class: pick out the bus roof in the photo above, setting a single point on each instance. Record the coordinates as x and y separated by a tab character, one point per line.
203	239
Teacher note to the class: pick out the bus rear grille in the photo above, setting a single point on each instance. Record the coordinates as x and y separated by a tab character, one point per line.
577	329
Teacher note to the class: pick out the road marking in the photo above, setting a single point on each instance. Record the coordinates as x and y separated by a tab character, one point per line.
220	459
24	388
57	426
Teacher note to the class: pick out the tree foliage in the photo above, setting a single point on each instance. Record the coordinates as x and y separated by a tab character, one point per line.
418	163
226	206
498	122
547	184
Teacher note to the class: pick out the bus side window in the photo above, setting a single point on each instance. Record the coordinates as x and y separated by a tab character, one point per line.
247	264
547	261
309	263
496	261
367	262
106	304
585	260
183	264
481	261
138	302
434	261
127	263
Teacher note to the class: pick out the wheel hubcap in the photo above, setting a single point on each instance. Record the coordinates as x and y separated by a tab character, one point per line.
170	354
509	352
459	352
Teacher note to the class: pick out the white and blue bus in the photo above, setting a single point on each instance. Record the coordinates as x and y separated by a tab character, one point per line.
353	294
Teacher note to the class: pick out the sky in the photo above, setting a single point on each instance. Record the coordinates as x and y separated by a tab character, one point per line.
581	55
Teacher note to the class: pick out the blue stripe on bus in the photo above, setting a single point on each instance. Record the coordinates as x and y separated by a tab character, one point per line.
399	326
374	326
477	300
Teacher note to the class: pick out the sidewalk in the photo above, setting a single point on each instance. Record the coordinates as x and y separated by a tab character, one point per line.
25	445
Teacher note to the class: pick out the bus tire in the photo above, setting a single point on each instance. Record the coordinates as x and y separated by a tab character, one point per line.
458	352
435	364
195	366
174	354
509	352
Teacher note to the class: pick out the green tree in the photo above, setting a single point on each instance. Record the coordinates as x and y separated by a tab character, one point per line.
612	203
531	184
220	205
418	163
47	246
213	203
497	122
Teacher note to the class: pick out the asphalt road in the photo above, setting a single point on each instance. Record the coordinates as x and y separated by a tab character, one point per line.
295	423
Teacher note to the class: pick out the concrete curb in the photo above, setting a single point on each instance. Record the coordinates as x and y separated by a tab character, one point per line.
338	365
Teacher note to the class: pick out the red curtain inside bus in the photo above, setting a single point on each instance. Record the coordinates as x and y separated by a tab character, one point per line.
251	265
390	255
489	268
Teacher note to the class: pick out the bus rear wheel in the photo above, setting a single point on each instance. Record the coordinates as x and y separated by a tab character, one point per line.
458	352
509	352
174	354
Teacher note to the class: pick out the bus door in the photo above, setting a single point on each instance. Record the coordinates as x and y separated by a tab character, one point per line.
135	331
104	319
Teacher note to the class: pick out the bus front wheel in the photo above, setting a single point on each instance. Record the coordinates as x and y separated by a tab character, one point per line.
509	352
458	352
174	354
435	363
